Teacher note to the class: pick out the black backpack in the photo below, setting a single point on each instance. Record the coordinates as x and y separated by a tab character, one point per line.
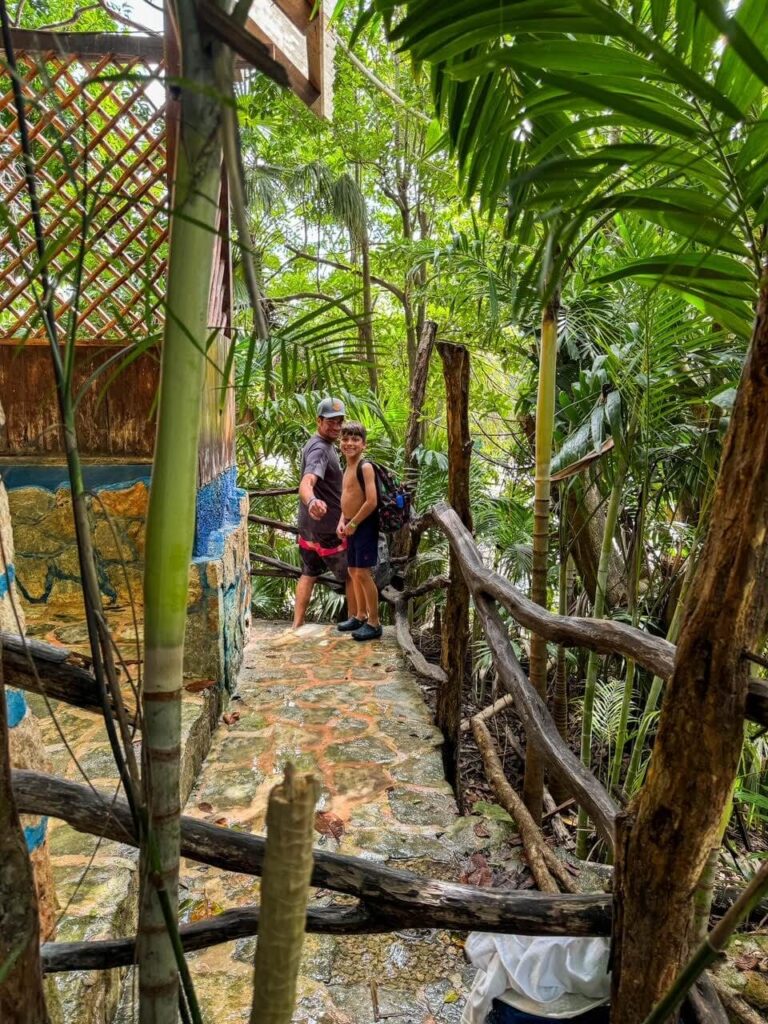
394	498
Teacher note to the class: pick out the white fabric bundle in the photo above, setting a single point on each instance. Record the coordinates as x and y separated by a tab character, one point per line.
552	976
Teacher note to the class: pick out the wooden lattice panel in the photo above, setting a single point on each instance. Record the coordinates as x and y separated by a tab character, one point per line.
97	130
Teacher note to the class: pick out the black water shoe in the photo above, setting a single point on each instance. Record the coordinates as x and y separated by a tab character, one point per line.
367	632
349	624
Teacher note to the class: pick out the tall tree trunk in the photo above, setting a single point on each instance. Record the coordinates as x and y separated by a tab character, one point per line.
411	337
171	514
586	517
533	783
403	543
675	820
366	326
414	433
21	979
455	628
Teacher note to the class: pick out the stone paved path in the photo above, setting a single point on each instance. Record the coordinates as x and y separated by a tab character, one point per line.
355	714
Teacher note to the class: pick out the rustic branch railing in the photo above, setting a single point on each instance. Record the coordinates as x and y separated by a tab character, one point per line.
601	635
391	899
41	668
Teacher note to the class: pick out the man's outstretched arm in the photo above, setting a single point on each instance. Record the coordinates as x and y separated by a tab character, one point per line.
315	506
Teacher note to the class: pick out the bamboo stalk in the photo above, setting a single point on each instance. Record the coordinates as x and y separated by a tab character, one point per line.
533	783
171	514
609	529
657	683
705	890
711	947
284	893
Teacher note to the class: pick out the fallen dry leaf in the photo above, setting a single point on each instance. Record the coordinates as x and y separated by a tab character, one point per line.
481	831
751	962
329	824
221	821
205	807
477	871
230	717
198	685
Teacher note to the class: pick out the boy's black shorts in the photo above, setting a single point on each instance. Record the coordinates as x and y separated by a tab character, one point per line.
363	545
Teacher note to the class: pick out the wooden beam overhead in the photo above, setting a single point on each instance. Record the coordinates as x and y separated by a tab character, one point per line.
262	44
91	45
297	11
295	80
253	49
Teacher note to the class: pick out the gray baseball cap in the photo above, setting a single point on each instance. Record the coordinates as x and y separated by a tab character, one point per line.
330	408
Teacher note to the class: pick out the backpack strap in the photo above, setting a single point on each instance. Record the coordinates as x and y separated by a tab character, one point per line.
360	477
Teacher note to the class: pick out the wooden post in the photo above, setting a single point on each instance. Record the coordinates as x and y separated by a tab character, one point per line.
455	632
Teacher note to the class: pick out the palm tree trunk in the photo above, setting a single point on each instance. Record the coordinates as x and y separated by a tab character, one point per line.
171	514
609	530
533	783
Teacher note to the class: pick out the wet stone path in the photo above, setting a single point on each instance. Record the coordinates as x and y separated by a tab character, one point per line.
355	715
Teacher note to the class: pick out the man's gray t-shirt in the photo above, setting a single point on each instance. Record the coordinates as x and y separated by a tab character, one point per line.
319	457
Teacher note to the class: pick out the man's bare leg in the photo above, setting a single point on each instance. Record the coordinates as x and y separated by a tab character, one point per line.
303	593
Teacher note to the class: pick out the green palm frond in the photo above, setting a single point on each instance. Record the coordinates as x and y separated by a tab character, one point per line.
568	113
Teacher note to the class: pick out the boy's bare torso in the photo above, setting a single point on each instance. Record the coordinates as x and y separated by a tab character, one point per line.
352	494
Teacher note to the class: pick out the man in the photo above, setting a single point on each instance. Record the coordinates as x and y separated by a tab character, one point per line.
322	550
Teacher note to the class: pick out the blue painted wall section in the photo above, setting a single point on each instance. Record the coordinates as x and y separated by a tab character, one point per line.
6	580
16	706
17	710
220	586
35	834
217	514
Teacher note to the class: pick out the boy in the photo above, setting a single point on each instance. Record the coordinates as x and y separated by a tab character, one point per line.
359	523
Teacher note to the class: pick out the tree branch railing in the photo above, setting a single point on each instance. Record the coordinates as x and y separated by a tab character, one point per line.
600	635
390	899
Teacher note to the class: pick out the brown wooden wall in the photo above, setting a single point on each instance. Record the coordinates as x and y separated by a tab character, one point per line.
116	133
217	427
118	424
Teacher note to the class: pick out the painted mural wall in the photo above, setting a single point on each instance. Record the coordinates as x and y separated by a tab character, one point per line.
26	744
48	577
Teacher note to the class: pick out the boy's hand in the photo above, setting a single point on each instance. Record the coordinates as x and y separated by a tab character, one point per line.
341	529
